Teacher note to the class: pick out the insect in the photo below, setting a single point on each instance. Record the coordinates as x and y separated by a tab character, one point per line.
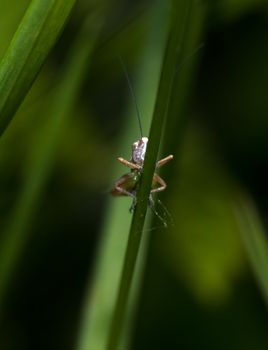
126	185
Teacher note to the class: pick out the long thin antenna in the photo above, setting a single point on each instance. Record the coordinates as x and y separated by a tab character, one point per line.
186	58
132	92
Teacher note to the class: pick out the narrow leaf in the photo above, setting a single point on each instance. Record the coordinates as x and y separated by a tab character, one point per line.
16	233
103	285
255	241
180	20
32	42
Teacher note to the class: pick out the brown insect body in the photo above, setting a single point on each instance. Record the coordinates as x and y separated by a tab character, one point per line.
126	184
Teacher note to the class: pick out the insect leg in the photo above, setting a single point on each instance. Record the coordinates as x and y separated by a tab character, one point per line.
119	187
152	207
164	161
129	164
167	215
157	179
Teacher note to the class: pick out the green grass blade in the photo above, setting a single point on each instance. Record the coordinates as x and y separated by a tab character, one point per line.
180	20
255	241
65	97
32	42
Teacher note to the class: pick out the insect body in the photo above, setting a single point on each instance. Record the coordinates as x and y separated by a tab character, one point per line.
126	185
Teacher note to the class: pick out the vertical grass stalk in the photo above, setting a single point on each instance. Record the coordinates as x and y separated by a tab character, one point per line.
180	19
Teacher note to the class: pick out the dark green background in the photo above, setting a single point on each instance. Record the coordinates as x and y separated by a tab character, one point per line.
198	289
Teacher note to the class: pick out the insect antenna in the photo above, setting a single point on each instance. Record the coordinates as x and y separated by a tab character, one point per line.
188	57
130	86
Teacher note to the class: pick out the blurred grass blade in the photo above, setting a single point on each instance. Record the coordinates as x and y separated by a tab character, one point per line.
183	83
44	153
180	20
255	241
32	42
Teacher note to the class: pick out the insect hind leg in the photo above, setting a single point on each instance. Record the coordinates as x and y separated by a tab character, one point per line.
167	215
153	208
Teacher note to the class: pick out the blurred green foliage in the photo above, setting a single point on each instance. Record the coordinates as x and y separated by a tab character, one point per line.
198	289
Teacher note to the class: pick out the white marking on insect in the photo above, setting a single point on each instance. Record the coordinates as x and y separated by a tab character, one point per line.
139	150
